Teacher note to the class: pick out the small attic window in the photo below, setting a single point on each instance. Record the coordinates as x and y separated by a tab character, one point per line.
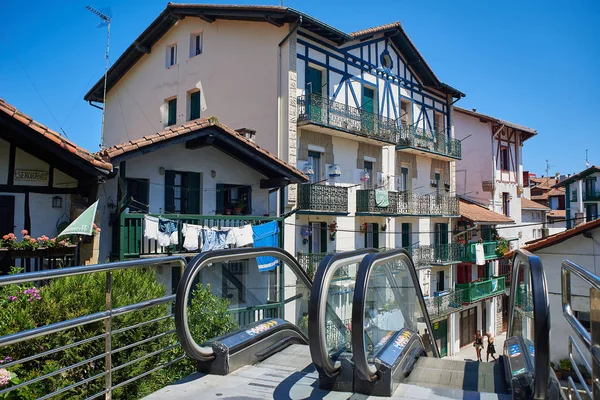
386	60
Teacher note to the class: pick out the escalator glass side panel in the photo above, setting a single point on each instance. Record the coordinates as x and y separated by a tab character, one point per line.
226	299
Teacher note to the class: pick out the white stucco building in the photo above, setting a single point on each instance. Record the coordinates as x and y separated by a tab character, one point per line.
582	196
361	113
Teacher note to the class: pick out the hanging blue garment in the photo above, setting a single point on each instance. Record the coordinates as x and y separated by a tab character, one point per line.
266	235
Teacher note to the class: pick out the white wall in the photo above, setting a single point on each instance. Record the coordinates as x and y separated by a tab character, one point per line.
584	252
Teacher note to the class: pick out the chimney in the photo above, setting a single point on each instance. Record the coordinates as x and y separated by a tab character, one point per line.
474	110
247	133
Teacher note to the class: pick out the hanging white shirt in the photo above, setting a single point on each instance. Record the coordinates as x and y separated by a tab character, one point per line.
479	254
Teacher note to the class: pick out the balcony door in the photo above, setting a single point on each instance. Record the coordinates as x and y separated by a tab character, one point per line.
314	158
590	184
441	241
314	91
369	110
318	241
591	212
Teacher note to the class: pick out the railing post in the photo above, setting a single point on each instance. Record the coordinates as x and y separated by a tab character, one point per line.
108	339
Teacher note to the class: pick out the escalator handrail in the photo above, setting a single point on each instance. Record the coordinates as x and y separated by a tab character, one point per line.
365	370
317	308
189	345
541	316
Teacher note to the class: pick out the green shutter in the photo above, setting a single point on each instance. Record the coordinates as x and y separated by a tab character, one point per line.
169	191
220	199
195	105
376	236
172	117
405	234
193	193
324	237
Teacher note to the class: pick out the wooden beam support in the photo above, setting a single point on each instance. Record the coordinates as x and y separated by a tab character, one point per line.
274	183
200	142
273	21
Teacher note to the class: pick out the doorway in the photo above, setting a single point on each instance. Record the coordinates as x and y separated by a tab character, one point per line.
467	326
440	333
7	210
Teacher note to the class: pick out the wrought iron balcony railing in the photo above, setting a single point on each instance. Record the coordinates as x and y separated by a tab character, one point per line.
489	251
591	195
434	142
323	198
446	303
435	254
483	289
405	203
310	262
319	110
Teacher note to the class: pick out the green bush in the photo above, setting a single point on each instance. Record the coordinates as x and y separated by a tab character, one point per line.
25	307
565	364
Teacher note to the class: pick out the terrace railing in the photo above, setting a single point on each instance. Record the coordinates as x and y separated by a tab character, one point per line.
323	198
446	303
433	142
405	203
483	289
489	251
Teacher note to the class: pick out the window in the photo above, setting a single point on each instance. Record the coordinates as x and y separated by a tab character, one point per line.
138	190
195	44
406	233
182	192
194	102
440	281
403	184
372	236
236	199
405	114
314	81
368	167
170	117
438	122
504	164
506	204
486	233
591	212
171	58
314	158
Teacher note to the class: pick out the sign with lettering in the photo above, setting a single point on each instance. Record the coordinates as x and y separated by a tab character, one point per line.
487	186
25	175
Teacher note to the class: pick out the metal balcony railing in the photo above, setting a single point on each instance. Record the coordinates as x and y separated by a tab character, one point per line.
489	251
434	142
483	289
405	203
316	109
310	261
323	198
435	254
446	303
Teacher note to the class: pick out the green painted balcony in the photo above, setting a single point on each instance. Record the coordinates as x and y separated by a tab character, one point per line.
419	141
404	203
446	303
317	110
323	199
479	290
591	195
489	251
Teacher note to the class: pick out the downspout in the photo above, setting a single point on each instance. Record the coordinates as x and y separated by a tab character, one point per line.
281	202
93	105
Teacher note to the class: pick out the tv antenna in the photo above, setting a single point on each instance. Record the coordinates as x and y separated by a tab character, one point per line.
548	168
587	162
105	17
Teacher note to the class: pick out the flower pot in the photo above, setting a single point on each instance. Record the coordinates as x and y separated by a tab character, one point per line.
237	210
227	212
558	375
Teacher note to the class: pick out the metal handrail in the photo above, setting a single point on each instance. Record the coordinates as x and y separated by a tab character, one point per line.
317	311
576	369
541	316
365	370
105	316
189	345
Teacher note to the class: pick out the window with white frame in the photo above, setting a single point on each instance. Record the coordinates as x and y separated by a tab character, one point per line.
171	56
195	44
438	122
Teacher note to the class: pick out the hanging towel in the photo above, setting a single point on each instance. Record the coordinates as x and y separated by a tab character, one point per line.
230	238
243	236
191	234
479	254
266	235
167	232
382	198
150	227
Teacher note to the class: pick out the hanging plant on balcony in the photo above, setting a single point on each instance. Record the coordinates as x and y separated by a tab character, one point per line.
332	230
501	246
363	228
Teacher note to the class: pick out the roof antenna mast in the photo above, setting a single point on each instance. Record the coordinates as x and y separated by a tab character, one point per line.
587	162
105	21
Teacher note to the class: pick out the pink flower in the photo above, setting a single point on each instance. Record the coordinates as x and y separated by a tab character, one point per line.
95	226
24	232
5	237
32	240
4	377
12	298
26	237
11	236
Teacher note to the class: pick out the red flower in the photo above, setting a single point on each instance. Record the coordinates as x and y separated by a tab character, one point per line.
24	232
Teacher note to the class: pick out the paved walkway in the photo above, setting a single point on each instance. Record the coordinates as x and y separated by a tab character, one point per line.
467	353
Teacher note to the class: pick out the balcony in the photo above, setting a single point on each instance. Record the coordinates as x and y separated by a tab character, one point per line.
475	291
489	251
446	303
318	110
310	261
435	254
419	140
404	203
323	199
591	195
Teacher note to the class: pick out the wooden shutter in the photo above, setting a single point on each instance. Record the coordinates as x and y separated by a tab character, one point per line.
193	193
405	234
220	209
169	191
324	237
195	105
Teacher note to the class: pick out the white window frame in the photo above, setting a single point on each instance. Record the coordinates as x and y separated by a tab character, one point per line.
171	56
193	50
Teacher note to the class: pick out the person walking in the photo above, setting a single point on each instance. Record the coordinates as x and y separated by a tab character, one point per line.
491	349
478	344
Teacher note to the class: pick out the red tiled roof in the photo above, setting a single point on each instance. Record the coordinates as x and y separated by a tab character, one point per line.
184	129
557	213
54	137
376	29
476	213
527	204
557	238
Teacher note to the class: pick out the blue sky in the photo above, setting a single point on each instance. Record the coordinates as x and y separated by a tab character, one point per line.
532	62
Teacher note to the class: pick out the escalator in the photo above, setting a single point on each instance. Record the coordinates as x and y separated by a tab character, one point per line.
361	328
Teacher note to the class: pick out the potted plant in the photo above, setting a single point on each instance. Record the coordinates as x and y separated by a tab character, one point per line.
228	209
238	207
556	370
565	367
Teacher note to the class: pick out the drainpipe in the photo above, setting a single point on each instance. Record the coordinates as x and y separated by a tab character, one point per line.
281	201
